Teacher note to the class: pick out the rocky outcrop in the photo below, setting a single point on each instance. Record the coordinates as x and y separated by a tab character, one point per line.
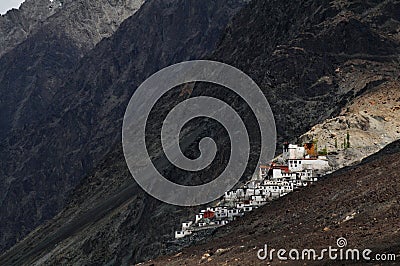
30	76
17	24
293	53
85	22
368	123
79	122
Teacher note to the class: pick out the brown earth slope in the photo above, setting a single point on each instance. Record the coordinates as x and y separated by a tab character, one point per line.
360	203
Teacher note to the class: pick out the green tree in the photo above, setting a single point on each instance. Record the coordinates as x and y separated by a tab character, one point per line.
315	141
324	151
348	139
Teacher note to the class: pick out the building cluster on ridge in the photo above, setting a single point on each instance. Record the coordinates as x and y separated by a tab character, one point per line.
297	167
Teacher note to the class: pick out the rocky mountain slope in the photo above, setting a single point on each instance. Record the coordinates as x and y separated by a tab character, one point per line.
17	24
293	50
360	203
30	75
97	20
372	121
49	153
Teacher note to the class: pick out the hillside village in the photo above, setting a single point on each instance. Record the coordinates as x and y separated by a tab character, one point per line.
297	167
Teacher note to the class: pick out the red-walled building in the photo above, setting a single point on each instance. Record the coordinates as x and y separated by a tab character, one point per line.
208	214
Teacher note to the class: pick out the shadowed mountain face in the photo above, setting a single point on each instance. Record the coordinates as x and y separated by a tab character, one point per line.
310	58
69	109
17	24
298	53
52	43
87	21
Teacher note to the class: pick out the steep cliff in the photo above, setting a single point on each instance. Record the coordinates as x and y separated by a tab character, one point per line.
87	22
367	124
17	24
55	143
299	52
30	75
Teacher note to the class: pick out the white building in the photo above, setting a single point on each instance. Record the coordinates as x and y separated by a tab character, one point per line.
186	225
222	213
297	165
263	172
271	182
234	213
198	217
291	151
183	233
234	195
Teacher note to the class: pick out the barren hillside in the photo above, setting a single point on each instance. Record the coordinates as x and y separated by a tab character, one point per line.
360	203
372	121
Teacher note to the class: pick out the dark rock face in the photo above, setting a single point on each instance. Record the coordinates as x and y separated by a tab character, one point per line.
81	124
86	22
293	49
17	24
30	76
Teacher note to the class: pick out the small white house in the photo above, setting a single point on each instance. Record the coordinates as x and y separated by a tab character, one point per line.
263	172
248	208
198	217
233	213
186	225
240	205
180	234
297	165
222	213
292	151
